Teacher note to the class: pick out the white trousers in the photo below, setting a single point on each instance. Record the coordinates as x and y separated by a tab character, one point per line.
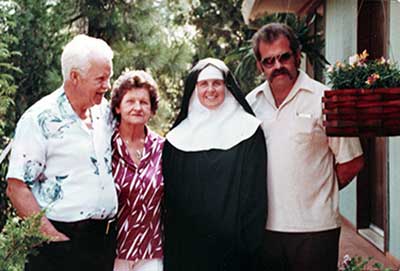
142	265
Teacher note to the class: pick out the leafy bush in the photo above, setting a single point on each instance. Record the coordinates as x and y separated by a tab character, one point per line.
18	239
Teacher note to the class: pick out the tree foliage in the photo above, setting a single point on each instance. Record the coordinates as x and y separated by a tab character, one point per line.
222	33
144	36
39	39
159	48
7	66
7	92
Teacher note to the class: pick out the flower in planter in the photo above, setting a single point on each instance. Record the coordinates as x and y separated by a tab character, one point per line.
372	79
358	60
361	72
353	60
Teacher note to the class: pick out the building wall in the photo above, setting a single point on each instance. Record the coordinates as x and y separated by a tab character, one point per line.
394	143
340	43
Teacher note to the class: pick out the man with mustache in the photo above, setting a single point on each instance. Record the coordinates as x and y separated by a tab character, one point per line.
306	168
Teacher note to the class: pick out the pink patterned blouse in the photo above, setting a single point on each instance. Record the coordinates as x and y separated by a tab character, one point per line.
140	189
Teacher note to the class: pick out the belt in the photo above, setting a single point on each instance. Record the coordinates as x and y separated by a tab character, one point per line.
87	226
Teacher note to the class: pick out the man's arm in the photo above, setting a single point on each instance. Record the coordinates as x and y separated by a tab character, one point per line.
347	171
25	204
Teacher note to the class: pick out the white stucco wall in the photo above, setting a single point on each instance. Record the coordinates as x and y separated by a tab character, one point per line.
341	29
340	43
394	143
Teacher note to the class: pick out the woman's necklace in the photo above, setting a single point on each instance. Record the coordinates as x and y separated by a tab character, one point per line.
136	152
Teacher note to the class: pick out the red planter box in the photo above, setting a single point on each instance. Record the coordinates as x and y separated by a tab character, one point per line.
362	112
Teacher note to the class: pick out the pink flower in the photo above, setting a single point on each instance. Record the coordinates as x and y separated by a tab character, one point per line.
372	79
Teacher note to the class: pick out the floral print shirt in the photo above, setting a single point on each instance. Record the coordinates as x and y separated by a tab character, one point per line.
140	189
66	164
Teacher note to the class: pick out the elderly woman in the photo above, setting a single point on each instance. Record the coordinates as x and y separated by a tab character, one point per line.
214	166
136	166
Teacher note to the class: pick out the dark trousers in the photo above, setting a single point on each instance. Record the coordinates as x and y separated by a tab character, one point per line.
91	247
314	251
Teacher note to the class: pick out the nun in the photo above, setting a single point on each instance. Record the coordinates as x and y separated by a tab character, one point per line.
214	166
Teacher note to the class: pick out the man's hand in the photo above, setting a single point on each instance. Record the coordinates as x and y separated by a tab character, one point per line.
26	205
347	171
48	230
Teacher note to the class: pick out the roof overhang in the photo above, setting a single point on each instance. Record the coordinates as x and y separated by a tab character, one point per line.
252	9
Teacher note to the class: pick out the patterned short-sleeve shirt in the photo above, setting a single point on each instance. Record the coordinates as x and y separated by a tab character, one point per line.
66	164
140	189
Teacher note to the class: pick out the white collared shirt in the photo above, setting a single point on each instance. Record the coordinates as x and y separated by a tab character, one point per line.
66	165
302	185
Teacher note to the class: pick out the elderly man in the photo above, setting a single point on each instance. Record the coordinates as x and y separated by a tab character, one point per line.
305	167
61	162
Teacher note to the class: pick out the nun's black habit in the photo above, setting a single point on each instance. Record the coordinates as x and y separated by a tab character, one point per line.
215	200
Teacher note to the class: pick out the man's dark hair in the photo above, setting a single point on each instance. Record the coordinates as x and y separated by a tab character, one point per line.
270	33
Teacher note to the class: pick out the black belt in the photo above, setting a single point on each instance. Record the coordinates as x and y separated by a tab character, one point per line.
94	226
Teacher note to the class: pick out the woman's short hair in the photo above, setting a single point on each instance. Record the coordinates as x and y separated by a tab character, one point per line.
80	50
131	80
270	33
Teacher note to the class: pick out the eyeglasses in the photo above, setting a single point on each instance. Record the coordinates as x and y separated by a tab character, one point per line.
268	62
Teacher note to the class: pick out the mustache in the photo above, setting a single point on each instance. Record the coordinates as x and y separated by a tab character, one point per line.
279	72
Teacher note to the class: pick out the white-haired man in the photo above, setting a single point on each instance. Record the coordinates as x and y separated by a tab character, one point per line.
61	162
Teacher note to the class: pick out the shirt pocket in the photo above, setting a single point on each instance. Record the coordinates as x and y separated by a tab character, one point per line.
302	128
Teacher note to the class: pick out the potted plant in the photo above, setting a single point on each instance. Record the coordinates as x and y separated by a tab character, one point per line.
365	100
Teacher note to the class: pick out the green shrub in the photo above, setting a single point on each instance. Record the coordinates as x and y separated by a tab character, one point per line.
18	239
